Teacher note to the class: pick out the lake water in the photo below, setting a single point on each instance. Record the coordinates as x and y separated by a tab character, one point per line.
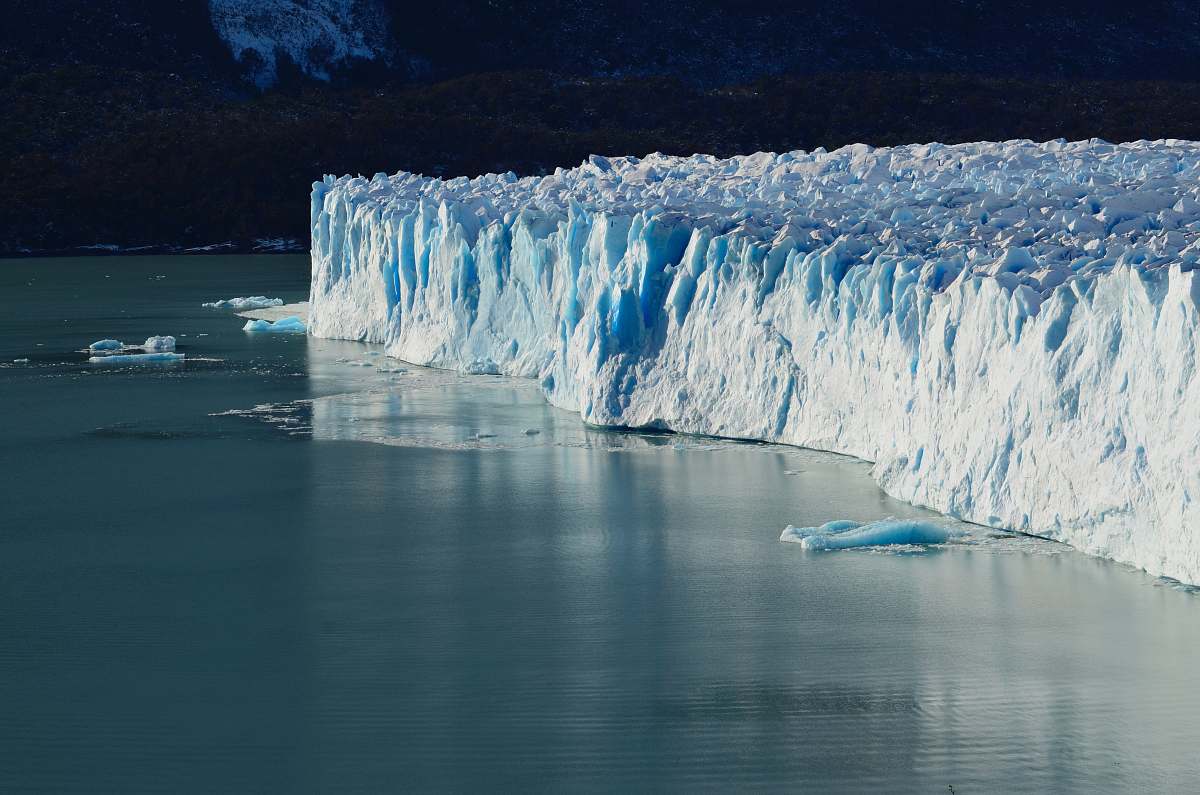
283	572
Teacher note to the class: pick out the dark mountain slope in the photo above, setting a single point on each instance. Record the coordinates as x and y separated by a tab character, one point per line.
131	123
709	43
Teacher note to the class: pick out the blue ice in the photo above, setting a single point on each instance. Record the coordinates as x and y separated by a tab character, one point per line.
845	534
137	358
105	345
288	325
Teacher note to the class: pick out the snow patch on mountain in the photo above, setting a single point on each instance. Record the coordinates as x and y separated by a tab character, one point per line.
1009	331
316	35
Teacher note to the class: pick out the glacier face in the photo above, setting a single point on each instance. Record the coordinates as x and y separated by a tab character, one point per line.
1007	330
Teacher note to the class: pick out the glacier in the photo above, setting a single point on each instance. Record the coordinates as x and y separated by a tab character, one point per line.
1007	330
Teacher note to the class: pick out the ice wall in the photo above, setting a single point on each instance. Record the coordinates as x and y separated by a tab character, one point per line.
1007	330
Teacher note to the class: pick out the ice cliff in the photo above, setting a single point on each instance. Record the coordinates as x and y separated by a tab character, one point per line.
1007	330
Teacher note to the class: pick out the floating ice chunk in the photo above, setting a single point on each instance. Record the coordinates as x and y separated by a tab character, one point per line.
106	345
166	343
20	361
798	534
845	534
242	304
287	325
137	358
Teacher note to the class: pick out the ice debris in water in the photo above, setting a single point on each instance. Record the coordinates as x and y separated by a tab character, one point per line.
482	367
1008	330
845	534
286	325
137	358
165	343
106	345
242	304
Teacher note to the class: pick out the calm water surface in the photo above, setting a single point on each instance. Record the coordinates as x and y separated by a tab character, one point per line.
378	581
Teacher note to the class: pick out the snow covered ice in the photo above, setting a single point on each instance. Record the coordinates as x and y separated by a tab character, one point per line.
155	344
243	304
287	325
845	534
159	344
1007	330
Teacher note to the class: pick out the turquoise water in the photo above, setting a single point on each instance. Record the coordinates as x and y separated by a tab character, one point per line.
283	572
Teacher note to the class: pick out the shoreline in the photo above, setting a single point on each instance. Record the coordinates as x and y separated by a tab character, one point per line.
257	246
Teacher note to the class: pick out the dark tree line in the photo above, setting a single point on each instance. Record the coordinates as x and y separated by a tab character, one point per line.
95	155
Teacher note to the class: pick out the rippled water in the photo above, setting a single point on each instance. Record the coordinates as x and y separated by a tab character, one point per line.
280	571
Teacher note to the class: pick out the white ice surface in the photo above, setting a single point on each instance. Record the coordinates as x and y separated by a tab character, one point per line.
243	304
159	344
1007	330
272	313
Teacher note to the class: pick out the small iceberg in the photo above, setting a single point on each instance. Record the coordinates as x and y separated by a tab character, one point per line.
106	345
242	304
158	344
155	344
286	325
845	534
137	358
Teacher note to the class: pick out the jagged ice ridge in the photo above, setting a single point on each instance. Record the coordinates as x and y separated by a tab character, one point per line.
1007	330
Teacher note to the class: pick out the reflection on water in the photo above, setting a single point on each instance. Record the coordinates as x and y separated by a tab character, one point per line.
441	409
210	583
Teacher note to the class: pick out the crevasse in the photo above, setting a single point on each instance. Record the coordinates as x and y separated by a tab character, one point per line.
1007	330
